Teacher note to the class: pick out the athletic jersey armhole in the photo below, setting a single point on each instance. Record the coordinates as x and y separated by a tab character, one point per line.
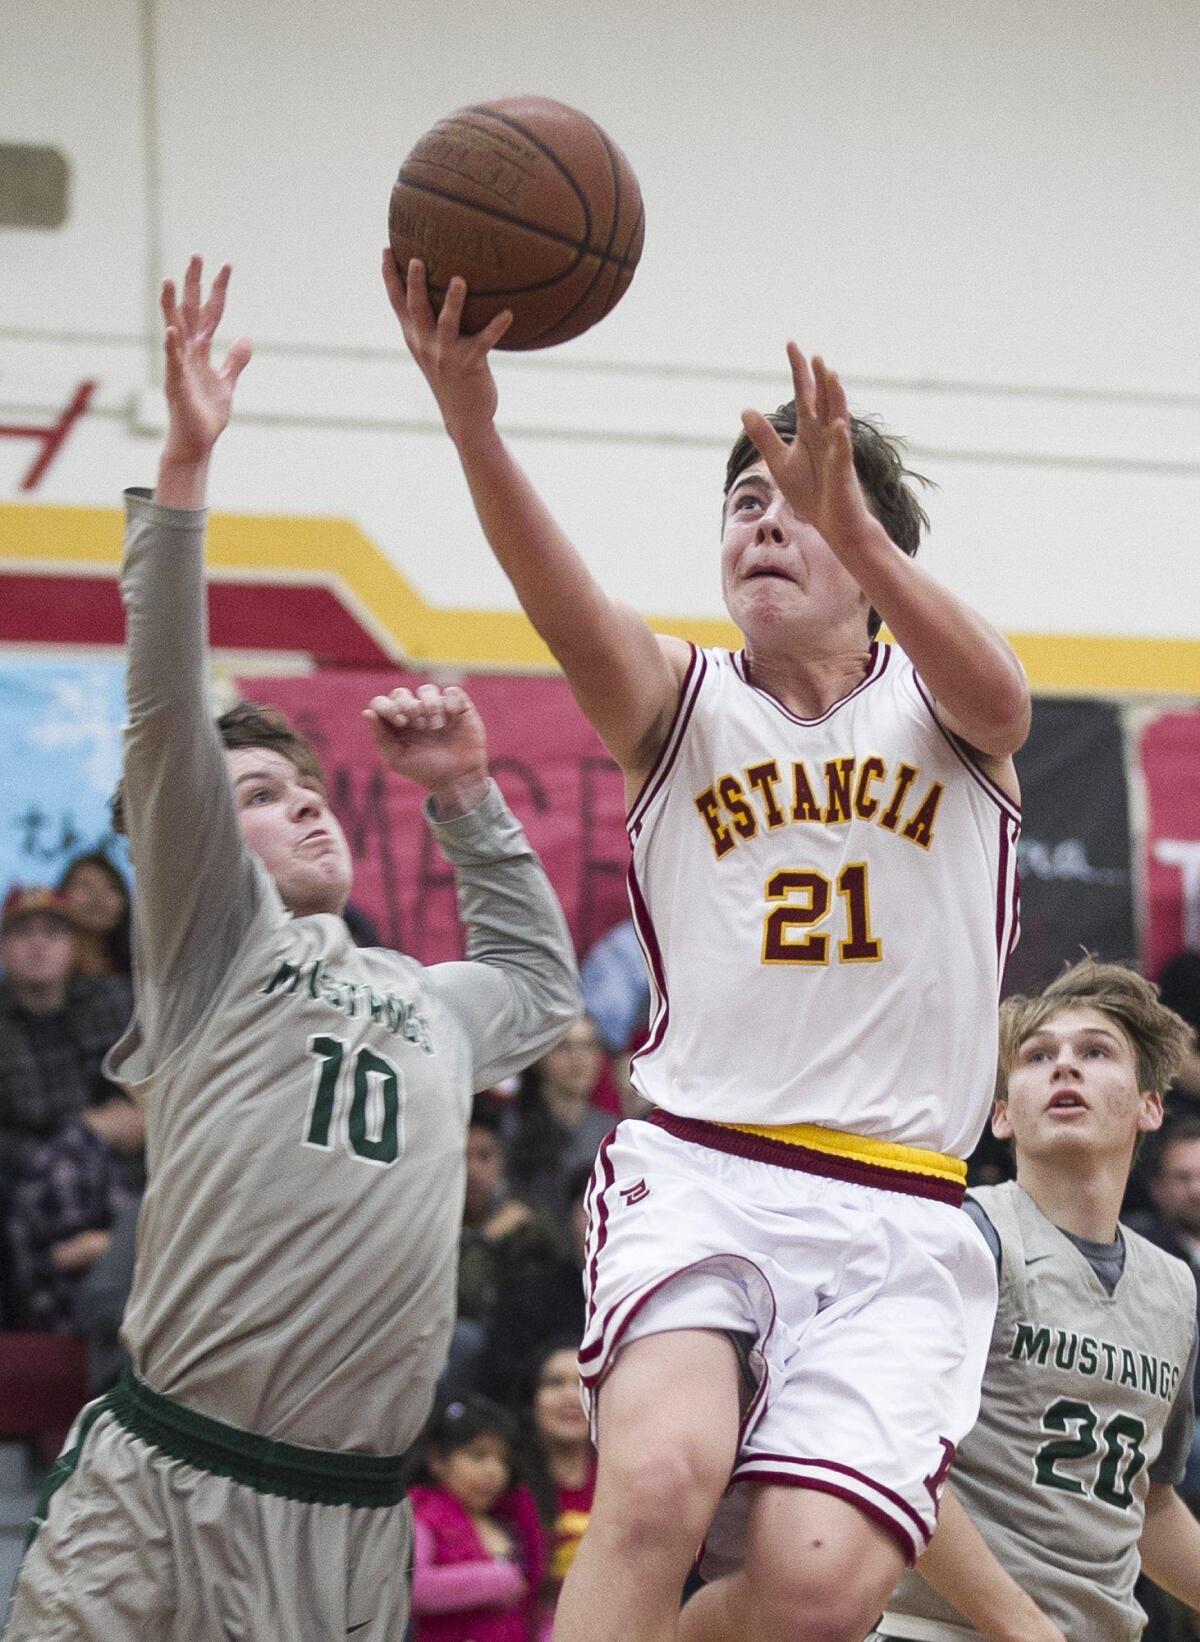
991	1236
659	771
967	756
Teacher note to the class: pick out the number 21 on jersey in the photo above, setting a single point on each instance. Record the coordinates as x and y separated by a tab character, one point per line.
801	900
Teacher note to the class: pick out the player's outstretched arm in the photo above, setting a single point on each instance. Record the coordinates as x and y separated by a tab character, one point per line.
624	677
1170	1545
199	391
959	1566
195	882
971	669
518	991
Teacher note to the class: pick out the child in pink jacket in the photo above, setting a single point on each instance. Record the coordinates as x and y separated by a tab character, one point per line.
479	1554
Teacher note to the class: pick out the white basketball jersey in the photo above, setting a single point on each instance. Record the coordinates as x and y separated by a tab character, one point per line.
826	907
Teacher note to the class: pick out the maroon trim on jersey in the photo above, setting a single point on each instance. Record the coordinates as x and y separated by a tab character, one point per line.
654	963
1008	897
689	691
911	1547
877	665
762	1149
966	756
597	1205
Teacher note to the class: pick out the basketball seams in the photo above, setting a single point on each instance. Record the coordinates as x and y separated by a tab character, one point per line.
543	148
606	258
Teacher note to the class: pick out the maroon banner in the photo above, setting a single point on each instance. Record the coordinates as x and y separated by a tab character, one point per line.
1170	759
548	761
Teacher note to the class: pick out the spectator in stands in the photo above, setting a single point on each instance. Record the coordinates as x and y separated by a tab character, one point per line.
1173	1169
562	1460
1179	987
55	1026
478	1550
616	988
492	1217
539	1297
490	1212
555	1128
97	894
62	1207
99	1301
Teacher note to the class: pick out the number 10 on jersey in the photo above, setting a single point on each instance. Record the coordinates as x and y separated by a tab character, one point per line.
366	1105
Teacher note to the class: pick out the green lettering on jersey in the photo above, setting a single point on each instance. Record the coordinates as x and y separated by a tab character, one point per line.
1027	1344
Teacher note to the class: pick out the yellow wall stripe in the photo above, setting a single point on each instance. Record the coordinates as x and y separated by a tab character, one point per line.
33	536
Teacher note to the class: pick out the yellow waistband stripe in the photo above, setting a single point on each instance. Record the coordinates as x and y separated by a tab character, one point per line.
886	1154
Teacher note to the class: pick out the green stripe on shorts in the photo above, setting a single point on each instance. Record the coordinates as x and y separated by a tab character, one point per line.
308	1474
64	1465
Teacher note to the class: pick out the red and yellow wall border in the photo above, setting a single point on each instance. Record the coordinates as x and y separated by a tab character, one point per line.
321	586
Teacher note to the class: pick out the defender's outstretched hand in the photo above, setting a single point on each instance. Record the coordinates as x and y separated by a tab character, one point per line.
455	366
815	471
436	738
199	392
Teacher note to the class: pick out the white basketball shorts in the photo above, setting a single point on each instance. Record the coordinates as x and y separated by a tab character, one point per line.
868	1311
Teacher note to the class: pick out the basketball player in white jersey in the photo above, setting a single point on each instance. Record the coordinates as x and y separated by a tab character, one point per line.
306	1105
783	1290
1087	1416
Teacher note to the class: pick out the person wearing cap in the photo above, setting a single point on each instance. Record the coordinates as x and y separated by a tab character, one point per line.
55	1029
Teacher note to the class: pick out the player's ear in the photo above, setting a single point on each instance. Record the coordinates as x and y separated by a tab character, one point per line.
1150	1117
1001	1123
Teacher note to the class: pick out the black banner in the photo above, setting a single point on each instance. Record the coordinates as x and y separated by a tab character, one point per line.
1076	878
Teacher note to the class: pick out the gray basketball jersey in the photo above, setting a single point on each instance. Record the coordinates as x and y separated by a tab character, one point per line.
1076	1395
306	1101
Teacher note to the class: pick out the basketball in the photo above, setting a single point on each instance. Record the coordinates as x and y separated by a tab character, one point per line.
533	205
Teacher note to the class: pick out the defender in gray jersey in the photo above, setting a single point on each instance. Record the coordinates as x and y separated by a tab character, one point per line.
1066	1486
306	1109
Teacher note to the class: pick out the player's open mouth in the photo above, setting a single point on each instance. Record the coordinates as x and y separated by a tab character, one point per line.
1067	1103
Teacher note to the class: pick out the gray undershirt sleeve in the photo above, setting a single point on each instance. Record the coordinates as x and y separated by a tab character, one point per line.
518	990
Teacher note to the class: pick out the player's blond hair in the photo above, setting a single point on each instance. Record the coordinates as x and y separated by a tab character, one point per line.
1159	1036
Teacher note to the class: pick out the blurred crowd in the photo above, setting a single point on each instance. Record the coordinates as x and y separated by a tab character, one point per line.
508	1444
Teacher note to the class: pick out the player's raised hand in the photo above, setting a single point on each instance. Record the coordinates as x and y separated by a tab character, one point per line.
436	738
455	366
199	392
815	471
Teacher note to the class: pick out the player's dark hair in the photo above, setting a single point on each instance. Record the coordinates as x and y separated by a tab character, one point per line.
250	724
455	1422
879	464
1158	1035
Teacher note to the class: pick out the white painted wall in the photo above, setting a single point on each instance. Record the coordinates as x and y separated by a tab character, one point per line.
986	212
